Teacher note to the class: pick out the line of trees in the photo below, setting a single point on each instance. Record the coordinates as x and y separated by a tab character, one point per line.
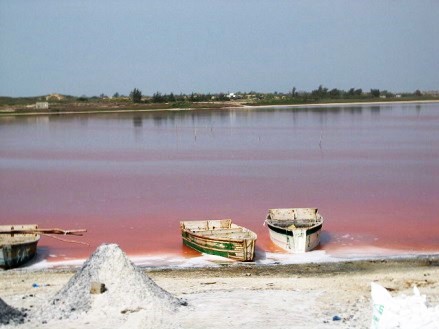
324	93
136	96
320	93
294	96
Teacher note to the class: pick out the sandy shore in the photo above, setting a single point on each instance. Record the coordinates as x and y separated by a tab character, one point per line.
230	105
246	296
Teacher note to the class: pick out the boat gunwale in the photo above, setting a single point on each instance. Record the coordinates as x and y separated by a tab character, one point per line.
287	230
221	239
34	239
184	228
319	220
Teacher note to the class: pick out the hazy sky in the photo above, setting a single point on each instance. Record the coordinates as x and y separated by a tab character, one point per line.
89	47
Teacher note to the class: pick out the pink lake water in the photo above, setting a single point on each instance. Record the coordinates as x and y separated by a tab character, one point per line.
373	172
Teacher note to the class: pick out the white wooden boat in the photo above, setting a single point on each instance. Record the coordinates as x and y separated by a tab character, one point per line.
219	237
296	230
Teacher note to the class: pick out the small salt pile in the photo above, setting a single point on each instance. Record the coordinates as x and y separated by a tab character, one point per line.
9	314
127	290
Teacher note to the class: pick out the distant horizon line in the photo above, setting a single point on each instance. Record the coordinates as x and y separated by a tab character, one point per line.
431	91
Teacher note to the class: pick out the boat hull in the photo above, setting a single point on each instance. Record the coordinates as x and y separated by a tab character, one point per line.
216	240
295	230
17	248
15	255
295	241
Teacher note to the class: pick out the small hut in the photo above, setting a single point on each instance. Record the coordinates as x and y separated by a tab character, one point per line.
42	105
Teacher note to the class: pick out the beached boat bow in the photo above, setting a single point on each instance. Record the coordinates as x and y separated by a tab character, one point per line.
296	230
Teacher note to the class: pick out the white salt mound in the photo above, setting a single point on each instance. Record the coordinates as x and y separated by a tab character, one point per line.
9	314
128	290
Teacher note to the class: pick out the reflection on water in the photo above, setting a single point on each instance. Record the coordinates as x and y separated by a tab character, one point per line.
131	177
226	116
137	121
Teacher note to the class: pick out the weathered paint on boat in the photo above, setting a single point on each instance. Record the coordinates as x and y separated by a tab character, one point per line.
296	230
17	248
219	237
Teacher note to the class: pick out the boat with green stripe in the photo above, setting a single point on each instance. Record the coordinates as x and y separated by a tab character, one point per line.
219	237
296	230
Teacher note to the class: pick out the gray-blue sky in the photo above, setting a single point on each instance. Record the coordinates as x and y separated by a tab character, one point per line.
90	47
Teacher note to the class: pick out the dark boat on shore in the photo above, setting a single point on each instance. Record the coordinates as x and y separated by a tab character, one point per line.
18	243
